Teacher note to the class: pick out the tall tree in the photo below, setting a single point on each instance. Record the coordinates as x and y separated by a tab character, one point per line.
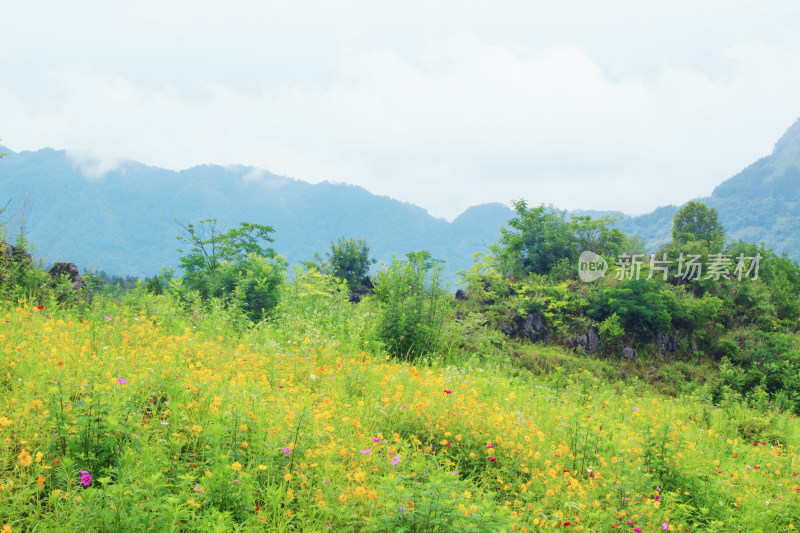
696	222
349	260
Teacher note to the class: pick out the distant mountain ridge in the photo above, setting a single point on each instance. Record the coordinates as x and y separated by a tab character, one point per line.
760	203
124	223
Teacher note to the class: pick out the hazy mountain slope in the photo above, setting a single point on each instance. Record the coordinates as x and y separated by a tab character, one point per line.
760	203
124	222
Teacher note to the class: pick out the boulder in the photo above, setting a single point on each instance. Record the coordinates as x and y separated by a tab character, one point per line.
71	271
533	327
628	352
589	341
461	294
19	254
509	328
667	344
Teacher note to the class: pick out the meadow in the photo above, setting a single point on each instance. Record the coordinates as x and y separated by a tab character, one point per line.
137	414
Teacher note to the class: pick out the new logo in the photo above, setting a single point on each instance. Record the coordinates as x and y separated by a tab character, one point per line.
591	266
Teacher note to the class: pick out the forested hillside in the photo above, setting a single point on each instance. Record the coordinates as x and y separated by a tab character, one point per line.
125	222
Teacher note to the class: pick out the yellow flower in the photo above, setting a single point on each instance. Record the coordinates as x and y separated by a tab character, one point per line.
39	456
40	480
237	466
262	467
287	477
5	422
25	458
6	528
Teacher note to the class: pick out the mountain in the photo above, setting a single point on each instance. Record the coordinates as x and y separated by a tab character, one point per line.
126	221
760	203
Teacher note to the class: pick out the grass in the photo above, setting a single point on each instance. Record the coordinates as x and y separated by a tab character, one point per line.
139	415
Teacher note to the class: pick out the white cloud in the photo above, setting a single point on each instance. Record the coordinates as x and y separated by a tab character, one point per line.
618	106
93	166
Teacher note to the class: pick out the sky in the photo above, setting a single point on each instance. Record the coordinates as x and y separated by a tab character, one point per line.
621	104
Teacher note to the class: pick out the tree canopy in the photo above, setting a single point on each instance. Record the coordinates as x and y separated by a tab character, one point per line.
696	222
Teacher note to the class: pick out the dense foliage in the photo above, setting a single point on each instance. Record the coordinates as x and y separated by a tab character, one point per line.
538	239
235	266
349	260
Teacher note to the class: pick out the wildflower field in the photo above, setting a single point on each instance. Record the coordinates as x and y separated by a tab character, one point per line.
133	416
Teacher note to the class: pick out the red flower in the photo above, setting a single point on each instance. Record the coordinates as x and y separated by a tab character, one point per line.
39	307
567	524
448	391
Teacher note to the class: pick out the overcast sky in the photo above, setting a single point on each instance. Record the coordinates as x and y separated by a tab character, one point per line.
620	104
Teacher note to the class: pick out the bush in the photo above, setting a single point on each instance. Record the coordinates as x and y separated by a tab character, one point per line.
252	284
412	297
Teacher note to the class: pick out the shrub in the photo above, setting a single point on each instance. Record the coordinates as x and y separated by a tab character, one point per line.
412	297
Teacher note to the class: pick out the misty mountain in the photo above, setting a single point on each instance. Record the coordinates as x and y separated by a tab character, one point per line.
760	203
126	221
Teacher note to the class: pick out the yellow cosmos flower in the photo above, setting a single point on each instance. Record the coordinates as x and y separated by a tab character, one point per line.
25	458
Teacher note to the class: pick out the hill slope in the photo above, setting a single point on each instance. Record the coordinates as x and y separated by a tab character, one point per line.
760	203
124	222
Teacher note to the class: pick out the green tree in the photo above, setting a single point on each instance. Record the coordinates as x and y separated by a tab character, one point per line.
535	240
539	238
696	222
236	265
348	260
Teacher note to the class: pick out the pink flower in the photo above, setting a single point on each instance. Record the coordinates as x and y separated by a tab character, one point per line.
366	452
637	530
396	460
122	381
448	391
86	479
376	439
664	526
106	318
490	446
493	459
286	451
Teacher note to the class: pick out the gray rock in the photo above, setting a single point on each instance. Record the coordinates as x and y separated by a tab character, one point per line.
71	271
667	344
509	328
628	352
589	341
461	294
533	327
